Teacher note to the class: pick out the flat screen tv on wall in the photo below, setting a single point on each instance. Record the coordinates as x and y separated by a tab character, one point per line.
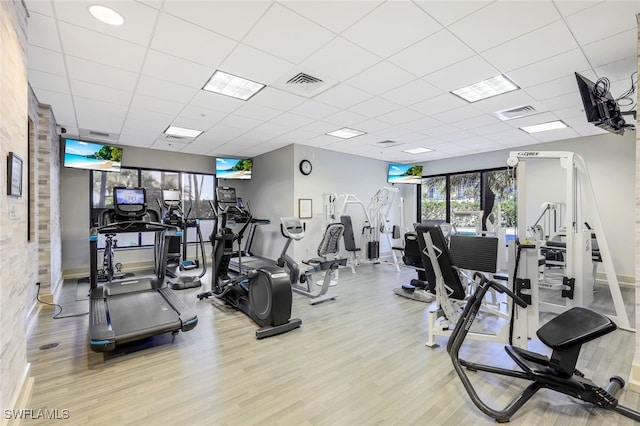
92	156
404	173
234	168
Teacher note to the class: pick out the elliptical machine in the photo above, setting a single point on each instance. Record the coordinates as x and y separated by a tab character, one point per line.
264	294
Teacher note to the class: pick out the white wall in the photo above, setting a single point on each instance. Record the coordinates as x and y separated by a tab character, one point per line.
75	204
610	160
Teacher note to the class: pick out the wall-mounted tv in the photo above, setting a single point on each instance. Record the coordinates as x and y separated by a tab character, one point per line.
92	156
234	168
600	107
404	173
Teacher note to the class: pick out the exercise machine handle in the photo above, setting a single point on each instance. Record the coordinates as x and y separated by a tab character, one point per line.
500	289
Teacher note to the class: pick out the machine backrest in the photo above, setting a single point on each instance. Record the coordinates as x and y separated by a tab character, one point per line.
330	244
349	238
445	261
474	253
412	255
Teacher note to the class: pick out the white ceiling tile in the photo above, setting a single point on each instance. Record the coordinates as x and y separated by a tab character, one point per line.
298	135
550	40
267	131
287	35
221	134
431	54
345	118
422	124
502	21
400	116
459	74
313	109
240	122
334	15
374	107
611	49
441	131
550	89
46	60
61	104
448	12
242	62
165	145
530	120
201	118
100	116
411	93
140	139
549	69
341	59
257	112
144	120
216	101
391	27
381	78
47	81
555	135
139	19
176	70
292	120
568	8
563	101
618	70
505	101
603	20
476	122
101	48
100	93
438	104
230	18
372	125
277	99
457	114
41	7
150	103
164	89
491	129
343	96
176	37
104	75
39	29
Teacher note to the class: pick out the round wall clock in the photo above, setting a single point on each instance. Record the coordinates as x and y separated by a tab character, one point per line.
305	167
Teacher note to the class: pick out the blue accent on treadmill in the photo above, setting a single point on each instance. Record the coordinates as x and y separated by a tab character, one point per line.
178	233
93	238
100	342
192	320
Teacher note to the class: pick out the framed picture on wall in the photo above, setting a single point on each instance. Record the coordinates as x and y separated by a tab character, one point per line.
14	175
305	208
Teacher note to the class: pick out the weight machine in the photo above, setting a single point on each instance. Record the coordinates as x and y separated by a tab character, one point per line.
578	279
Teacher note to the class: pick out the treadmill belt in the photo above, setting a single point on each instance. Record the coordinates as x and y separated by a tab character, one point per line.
141	313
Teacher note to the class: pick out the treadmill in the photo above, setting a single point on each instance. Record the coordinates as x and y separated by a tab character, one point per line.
123	311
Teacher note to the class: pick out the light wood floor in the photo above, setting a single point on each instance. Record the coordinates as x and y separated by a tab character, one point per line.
358	360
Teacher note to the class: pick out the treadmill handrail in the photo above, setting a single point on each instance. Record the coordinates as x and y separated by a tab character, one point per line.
133	226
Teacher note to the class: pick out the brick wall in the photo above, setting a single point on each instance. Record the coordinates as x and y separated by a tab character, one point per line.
14	261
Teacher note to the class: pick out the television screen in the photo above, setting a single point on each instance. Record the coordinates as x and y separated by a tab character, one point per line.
404	173
92	156
599	106
233	168
129	196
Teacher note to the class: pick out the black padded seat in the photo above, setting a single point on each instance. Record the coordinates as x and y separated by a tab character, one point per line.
574	327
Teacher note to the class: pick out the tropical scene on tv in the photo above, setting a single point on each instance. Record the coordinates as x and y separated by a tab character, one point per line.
233	168
404	173
93	156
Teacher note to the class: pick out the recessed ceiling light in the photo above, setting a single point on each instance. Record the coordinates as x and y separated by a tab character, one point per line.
106	15
485	89
346	133
417	150
182	132
543	127
230	85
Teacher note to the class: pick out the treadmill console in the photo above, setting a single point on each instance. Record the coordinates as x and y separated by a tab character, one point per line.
129	203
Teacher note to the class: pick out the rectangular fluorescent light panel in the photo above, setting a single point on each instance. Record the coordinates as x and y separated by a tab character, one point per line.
417	150
543	127
182	132
346	133
230	85
485	89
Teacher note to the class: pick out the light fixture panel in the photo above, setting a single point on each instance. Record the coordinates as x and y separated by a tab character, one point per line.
417	150
346	133
485	89
182	132
231	85
543	127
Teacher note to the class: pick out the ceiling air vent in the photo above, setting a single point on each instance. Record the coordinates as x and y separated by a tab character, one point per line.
305	79
172	138
517	112
98	134
387	144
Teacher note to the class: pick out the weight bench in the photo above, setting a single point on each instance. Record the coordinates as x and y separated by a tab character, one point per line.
564	334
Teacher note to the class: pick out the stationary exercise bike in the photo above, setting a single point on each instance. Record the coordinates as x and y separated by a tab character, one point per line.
564	334
293	230
264	294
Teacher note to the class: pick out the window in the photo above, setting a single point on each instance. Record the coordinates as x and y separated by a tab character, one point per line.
467	199
196	190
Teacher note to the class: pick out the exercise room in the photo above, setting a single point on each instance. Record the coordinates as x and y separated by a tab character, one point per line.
319	212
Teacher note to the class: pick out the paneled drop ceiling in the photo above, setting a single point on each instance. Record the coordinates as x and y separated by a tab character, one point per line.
387	69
